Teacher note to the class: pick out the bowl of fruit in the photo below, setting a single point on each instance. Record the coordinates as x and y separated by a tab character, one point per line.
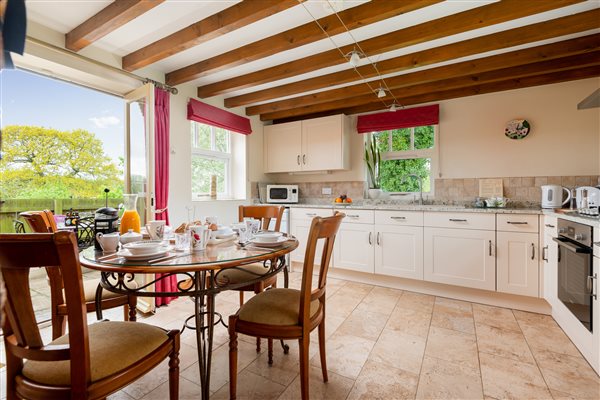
343	199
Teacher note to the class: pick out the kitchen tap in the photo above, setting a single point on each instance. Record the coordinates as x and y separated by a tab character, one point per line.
420	180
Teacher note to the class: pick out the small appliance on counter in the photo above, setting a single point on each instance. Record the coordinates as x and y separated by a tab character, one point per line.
282	194
106	220
587	197
552	196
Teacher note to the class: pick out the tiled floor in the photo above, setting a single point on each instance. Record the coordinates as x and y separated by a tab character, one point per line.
389	344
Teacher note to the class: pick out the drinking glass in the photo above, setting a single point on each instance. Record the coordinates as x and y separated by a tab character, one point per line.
182	241
242	233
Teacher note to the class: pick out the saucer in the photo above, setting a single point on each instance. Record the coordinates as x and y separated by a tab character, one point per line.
162	251
279	242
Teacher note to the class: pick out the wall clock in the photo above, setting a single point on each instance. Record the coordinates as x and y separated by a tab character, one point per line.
517	129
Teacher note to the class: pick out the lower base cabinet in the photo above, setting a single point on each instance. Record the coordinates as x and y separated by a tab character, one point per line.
399	251
517	262
462	257
353	248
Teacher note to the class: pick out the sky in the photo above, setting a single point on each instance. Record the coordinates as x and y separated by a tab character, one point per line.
30	99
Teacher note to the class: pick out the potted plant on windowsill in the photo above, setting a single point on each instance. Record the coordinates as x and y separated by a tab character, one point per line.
373	161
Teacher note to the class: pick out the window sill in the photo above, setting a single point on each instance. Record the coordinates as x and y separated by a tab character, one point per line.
217	200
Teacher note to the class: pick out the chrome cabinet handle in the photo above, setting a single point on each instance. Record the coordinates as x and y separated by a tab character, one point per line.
549	226
516	222
352	216
532	251
490	247
371	238
378	240
304	159
457	220
298	159
311	214
398	217
544	253
591	288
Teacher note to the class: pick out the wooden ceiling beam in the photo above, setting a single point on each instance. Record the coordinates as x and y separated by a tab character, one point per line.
355	17
500	74
228	20
540	31
514	58
107	20
478	17
510	84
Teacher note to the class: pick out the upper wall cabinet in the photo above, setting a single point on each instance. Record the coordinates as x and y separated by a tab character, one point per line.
318	144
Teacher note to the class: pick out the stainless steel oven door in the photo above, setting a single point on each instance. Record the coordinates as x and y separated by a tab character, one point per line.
574	273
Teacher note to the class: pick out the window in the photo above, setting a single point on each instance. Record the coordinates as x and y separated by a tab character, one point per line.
211	155
404	152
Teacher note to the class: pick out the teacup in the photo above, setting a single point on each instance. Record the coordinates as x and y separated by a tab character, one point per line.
109	241
156	229
199	236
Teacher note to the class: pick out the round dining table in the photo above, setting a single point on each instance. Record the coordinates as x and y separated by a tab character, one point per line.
199	276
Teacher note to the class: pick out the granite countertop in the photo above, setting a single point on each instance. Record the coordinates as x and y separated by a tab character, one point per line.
566	214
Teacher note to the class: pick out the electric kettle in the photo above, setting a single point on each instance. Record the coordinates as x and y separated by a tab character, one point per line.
552	196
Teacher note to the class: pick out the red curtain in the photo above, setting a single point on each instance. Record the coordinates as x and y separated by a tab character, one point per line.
161	179
210	115
418	116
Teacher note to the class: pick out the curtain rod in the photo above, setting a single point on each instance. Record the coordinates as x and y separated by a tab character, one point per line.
70	53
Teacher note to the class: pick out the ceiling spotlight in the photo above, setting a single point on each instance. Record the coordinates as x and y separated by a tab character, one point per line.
393	107
380	92
354	57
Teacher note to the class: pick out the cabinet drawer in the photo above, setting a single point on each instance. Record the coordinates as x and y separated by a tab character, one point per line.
358	216
460	220
517	223
550	225
309	213
409	218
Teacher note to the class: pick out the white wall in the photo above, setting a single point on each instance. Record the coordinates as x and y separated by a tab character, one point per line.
180	191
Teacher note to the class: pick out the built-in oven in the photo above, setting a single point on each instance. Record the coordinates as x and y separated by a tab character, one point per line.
575	269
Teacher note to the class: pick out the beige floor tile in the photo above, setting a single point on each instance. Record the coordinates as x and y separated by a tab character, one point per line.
399	350
442	379
342	304
251	386
505	378
548	336
457	347
336	388
380	381
187	391
503	343
121	395
412	321
556	395
332	323
451	317
568	374
346	354
381	300
364	324
458	304
497	317
533	319
356	288
416	301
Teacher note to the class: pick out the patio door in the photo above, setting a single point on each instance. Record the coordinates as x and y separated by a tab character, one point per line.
139	165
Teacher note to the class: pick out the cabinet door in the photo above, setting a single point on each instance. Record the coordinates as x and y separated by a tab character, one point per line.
300	229
399	251
322	144
353	248
517	263
549	269
462	257
283	147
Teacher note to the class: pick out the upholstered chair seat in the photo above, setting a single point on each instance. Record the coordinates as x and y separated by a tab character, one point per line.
275	307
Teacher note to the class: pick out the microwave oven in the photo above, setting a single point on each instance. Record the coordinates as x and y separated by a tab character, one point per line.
282	193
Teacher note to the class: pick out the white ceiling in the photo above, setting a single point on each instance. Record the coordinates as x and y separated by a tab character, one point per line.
173	15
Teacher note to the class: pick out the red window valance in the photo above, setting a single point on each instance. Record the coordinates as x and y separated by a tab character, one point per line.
211	115
418	116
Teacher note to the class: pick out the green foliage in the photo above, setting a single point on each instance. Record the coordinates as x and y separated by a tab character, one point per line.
202	169
394	172
373	161
48	164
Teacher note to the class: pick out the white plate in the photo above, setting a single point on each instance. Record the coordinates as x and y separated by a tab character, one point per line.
227	235
162	251
279	241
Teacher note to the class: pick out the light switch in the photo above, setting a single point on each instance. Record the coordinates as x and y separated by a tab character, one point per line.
326	190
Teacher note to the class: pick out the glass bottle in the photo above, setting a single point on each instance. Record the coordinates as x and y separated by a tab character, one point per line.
130	218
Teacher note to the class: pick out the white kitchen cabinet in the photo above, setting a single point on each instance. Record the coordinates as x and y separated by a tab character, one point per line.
549	261
353	248
463	257
318	144
517	264
300	221
399	251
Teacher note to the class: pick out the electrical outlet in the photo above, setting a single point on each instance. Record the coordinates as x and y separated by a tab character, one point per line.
326	190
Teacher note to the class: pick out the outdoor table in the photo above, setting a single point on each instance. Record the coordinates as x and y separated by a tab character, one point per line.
203	268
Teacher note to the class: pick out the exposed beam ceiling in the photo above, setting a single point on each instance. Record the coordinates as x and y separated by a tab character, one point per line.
514	58
107	20
218	24
368	13
450	25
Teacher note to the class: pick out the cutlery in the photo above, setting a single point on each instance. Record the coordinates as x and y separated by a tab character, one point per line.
108	258
160	259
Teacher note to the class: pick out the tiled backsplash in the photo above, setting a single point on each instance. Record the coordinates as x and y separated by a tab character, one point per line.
521	189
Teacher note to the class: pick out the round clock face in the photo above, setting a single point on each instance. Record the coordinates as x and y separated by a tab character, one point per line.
517	129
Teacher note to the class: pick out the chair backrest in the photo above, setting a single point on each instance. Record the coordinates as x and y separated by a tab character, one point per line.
85	232
264	213
40	221
19	226
18	254
320	229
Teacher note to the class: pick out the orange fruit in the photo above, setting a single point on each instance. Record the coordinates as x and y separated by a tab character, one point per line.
338	200
348	200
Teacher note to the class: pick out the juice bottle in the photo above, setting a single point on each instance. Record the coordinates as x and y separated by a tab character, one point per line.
130	218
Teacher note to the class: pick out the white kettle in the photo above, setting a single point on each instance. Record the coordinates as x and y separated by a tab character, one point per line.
552	196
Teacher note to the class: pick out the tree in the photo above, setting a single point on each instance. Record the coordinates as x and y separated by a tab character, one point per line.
40	162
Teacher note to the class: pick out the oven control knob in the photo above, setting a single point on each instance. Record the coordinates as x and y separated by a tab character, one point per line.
562	230
578	236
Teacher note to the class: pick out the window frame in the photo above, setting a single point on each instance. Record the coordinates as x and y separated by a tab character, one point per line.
214	155
431	153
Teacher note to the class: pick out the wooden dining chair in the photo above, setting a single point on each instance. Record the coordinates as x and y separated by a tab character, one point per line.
43	222
91	361
250	272
19	226
290	313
